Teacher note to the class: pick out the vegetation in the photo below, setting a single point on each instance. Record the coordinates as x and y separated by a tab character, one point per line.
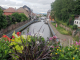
61	30
4	49
64	23
23	17
75	27
27	47
76	38
17	16
11	19
3	22
65	10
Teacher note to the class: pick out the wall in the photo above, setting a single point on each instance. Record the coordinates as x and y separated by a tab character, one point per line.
11	27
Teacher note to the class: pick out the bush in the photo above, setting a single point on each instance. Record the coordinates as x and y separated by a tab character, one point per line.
30	48
23	17
4	49
75	27
3	22
17	16
9	20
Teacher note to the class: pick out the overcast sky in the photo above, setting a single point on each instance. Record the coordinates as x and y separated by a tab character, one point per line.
38	6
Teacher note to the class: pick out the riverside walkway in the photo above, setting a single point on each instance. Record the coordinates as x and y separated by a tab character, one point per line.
64	39
9	34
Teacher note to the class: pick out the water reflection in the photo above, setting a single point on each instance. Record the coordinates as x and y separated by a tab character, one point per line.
40	27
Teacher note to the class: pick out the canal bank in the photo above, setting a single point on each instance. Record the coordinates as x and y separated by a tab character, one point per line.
64	39
9	34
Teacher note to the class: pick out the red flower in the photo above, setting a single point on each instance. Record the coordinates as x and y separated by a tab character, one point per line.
4	36
18	33
13	37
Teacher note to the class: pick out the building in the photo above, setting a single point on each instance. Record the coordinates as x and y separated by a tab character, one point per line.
77	21
11	10
48	16
28	10
24	11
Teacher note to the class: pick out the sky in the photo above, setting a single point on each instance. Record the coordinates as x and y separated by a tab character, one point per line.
38	6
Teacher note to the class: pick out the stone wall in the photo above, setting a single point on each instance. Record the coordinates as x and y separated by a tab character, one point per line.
65	27
69	29
11	27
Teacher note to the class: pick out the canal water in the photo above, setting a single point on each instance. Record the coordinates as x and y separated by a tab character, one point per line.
39	27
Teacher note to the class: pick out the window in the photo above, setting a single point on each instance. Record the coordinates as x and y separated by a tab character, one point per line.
77	22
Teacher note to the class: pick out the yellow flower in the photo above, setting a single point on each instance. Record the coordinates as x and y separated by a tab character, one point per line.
56	53
12	40
57	49
60	50
51	54
76	48
68	49
73	58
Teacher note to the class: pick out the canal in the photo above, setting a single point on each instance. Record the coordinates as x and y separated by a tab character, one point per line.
38	27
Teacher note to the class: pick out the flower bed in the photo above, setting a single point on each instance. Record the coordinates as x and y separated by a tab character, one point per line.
27	47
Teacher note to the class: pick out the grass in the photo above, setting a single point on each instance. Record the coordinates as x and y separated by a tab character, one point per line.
76	38
61	30
61	22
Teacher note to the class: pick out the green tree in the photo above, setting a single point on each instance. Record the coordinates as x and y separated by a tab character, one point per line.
3	22
17	16
64	9
23	17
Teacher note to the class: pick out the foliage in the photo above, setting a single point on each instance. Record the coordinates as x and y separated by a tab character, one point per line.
17	16
60	29
27	47
30	48
9	20
76	38
4	49
75	27
23	17
63	9
3	22
70	52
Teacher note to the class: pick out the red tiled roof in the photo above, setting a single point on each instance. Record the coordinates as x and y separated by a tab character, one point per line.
10	9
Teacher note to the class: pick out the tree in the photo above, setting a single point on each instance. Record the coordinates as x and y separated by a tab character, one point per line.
63	9
23	17
17	16
3	22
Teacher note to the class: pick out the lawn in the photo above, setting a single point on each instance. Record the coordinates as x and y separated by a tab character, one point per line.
61	30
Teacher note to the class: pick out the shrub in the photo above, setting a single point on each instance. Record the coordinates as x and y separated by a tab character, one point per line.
17	16
3	22
4	49
30	48
23	17
75	27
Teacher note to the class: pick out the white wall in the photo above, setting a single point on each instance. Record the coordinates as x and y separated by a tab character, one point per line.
77	22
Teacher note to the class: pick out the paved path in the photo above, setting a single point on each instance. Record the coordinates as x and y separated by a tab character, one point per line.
64	39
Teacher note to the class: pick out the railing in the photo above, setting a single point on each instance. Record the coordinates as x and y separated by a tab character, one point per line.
52	30
21	28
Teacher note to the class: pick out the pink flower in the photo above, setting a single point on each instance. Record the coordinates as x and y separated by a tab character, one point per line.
52	46
79	43
50	38
57	46
76	43
54	37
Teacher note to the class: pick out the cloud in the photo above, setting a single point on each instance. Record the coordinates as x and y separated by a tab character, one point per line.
37	6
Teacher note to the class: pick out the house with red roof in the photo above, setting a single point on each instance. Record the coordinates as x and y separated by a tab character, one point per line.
10	11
